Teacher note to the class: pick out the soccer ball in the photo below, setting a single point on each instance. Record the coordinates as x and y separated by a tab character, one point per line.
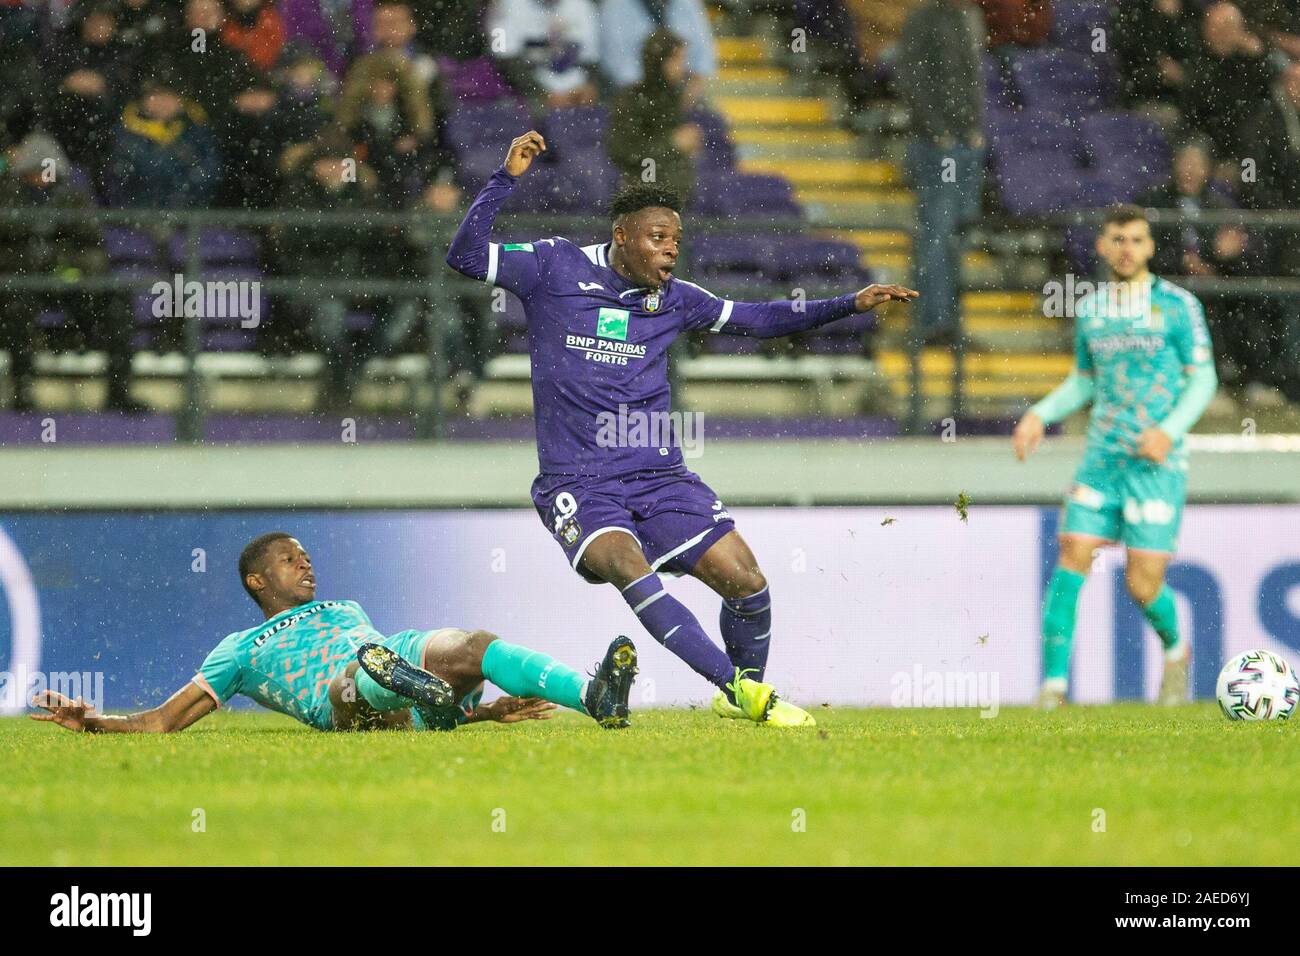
1257	685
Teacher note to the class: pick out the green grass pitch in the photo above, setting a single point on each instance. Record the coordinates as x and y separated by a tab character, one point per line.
900	787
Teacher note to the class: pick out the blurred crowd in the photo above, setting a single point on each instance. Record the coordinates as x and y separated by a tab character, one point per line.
344	104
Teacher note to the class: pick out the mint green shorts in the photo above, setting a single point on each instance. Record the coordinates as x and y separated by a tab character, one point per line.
1130	500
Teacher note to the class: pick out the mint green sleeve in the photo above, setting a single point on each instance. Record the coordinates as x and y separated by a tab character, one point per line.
1066	399
1197	394
219	675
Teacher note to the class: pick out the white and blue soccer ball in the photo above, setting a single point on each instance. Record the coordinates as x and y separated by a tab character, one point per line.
1258	685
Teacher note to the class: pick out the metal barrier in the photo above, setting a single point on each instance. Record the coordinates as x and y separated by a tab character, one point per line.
433	233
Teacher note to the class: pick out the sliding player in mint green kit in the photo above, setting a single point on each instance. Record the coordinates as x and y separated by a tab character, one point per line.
1143	358
324	664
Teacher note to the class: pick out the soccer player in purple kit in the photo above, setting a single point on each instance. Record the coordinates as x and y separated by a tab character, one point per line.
600	321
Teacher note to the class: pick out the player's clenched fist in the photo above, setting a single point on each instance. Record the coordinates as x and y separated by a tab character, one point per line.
1028	435
522	151
874	294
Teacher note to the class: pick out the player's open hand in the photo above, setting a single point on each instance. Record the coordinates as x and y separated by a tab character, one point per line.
874	294
522	152
1027	436
1154	444
509	710
61	710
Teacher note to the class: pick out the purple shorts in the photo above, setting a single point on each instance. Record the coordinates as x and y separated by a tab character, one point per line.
673	515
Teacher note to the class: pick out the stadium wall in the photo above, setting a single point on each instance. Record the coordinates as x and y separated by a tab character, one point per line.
924	610
366	474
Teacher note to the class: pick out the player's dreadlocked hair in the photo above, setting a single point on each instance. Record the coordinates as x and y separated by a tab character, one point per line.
252	555
639	196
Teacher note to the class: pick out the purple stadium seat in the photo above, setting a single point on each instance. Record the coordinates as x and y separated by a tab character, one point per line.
1073	24
123	244
1015	134
216	246
999	93
1125	146
577	128
487	125
744	195
1030	187
1061	81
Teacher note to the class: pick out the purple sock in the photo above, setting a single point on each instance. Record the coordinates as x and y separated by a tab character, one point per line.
747	631
673	626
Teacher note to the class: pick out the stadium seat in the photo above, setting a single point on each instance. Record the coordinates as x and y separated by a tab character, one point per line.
1074	23
1062	81
1124	146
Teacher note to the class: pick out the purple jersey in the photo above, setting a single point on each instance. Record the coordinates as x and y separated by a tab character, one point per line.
599	344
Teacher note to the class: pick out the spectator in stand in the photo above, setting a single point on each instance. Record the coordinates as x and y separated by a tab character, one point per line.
303	104
237	97
450	28
338	30
89	71
22	88
831	35
391	105
143	23
625	25
396	35
1154	42
1227	79
165	156
1272	140
648	120
1016	23
38	177
1194	250
938	73
1241	328
1277	21
255	29
547	50
328	178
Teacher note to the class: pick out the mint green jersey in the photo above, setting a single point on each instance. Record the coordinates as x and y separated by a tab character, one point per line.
1137	352
287	662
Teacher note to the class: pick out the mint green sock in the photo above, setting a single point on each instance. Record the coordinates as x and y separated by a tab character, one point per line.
1058	622
528	673
1163	615
378	697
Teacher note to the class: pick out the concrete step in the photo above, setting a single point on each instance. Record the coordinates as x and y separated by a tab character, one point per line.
852	174
737	51
983	366
773	110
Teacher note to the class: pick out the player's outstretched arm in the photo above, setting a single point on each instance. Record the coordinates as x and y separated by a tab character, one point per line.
183	708
1063	401
471	251
768	320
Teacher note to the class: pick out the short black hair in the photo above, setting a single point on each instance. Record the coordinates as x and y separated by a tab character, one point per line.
252	556
638	196
1122	214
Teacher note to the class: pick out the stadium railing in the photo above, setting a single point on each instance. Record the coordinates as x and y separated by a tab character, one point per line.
437	283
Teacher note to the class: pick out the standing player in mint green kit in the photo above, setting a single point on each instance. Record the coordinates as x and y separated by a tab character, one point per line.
324	664
1143	358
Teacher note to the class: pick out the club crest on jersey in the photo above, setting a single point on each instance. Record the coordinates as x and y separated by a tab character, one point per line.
651	303
571	533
